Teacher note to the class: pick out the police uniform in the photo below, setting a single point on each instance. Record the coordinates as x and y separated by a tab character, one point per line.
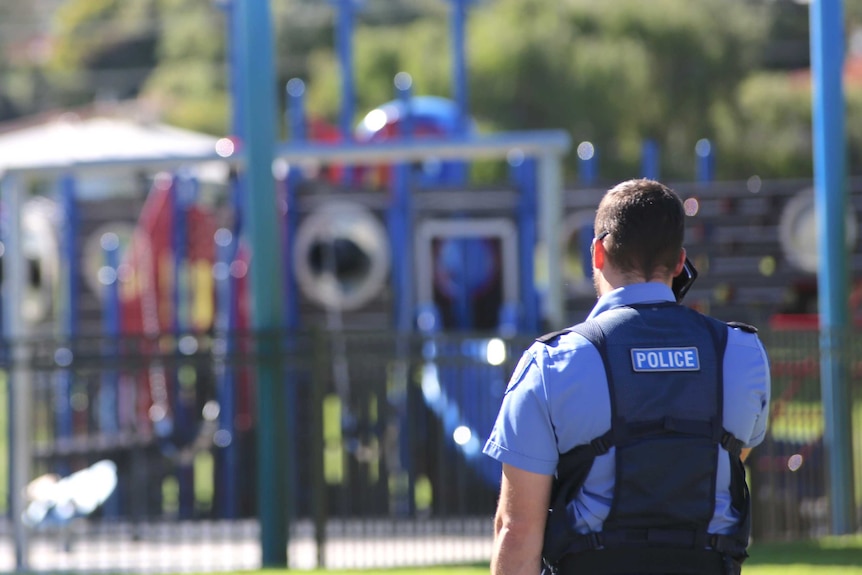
560	398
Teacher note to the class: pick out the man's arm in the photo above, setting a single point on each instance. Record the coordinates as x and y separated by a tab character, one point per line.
761	372
519	525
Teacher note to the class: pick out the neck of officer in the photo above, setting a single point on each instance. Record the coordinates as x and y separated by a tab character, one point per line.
609	278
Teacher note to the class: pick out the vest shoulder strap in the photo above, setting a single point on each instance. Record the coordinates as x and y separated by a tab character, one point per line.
743	326
549	337
589	329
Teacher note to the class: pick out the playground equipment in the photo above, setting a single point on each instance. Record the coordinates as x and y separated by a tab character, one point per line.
157	281
390	238
180	269
415	117
41	255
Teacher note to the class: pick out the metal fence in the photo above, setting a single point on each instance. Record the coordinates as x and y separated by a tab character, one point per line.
383	444
788	472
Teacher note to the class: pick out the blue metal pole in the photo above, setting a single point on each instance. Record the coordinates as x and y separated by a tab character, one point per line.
70	308
226	438
108	394
242	481
459	63
399	224
460	85
827	63
179	319
296	110
298	133
399	215
229	468
344	42
178	247
650	159
108	421
258	91
463	310
68	187
297	127
18	387
236	72
705	152
344	49
588	163
524	175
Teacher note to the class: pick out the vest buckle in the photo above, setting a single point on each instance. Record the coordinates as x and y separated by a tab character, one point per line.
731	444
600	445
714	542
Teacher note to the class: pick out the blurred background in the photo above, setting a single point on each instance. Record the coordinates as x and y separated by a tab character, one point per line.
612	73
409	285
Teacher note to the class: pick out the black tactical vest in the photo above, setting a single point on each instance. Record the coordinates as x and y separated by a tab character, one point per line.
665	381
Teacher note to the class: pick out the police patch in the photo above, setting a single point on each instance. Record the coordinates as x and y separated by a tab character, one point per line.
665	359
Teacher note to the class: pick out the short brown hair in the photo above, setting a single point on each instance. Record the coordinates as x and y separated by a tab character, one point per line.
644	223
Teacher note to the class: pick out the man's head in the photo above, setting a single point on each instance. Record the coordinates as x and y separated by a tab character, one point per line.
639	230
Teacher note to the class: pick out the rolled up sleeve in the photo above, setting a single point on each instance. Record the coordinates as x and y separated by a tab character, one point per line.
523	435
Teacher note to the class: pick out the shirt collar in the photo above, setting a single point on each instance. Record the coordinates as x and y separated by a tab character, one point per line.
648	292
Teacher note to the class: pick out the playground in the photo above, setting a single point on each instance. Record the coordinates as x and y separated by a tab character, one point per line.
228	353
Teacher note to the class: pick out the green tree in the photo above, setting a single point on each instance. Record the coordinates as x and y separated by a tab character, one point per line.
102	48
853	12
786	45
547	75
20	26
170	51
611	72
614	73
174	52
191	80
380	53
769	132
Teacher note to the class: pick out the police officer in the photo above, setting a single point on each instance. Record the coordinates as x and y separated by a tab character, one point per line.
631	428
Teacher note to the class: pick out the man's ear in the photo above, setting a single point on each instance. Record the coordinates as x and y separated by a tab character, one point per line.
599	254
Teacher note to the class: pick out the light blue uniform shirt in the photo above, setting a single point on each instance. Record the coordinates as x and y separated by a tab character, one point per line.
558	398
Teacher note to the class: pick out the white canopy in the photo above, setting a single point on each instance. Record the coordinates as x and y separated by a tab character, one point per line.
68	139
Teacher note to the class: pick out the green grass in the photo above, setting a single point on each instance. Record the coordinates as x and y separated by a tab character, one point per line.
830	555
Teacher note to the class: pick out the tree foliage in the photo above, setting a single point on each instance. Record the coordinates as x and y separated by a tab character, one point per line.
615	73
170	51
769	132
18	23
102	48
191	80
770	135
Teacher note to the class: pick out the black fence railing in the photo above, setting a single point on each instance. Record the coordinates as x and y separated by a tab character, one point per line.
383	432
